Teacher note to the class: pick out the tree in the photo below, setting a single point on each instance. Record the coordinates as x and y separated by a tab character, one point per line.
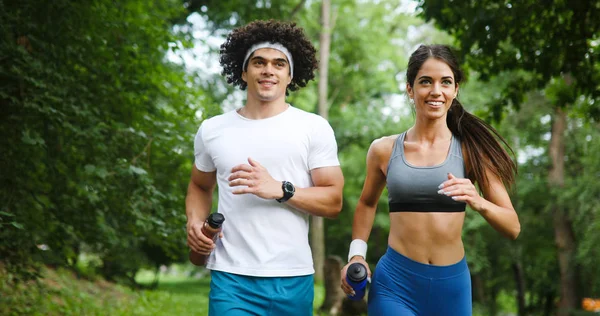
317	231
93	125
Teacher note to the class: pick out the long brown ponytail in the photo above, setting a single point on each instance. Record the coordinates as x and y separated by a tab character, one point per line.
481	146
481	142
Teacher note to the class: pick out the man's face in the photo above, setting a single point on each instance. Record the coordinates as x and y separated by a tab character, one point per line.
267	75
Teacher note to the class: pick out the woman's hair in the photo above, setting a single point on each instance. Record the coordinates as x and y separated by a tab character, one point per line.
234	50
483	151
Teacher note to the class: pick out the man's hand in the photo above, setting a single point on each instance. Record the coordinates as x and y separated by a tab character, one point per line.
197	241
256	180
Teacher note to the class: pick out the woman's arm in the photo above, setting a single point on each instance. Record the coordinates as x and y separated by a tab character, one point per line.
495	205
364	215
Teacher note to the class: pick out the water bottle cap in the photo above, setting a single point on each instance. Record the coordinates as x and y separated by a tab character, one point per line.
357	272
215	220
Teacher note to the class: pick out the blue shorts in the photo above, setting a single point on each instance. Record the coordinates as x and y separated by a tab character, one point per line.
402	286
234	294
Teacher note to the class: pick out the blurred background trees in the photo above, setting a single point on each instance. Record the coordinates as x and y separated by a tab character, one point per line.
95	132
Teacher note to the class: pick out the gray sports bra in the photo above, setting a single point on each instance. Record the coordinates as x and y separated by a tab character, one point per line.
414	189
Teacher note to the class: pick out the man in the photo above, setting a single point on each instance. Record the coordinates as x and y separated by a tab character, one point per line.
275	165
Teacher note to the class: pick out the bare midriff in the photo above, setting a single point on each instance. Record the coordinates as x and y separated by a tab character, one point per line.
428	238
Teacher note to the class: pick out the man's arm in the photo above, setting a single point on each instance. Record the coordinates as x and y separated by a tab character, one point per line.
323	199
198	203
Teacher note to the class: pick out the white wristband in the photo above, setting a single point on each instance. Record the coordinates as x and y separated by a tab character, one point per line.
358	247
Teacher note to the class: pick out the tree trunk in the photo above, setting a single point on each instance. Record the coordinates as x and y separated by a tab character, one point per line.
354	308
478	289
317	230
563	229
493	301
520	282
334	295
548	304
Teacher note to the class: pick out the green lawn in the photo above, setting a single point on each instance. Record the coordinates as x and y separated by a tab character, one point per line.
177	294
60	292
177	291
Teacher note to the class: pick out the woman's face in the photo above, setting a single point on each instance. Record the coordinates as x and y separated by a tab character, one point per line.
433	90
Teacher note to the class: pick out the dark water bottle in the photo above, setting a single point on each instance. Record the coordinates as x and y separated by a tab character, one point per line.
356	276
210	229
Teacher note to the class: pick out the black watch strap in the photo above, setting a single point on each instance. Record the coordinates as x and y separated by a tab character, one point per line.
288	191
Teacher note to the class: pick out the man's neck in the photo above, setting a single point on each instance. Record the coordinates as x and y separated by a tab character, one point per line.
257	110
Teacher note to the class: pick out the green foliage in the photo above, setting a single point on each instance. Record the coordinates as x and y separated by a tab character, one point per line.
228	14
581	195
552	39
95	125
549	38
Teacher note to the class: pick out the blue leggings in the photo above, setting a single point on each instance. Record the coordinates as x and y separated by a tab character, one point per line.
402	286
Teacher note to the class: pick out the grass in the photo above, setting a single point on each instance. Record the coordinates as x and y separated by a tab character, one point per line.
182	290
189	291
178	293
60	292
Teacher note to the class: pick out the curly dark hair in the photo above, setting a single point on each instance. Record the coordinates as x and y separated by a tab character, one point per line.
287	34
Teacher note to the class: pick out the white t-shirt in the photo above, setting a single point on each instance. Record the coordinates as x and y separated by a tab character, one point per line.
264	237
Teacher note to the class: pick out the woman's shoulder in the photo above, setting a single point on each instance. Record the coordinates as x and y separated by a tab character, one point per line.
385	141
383	146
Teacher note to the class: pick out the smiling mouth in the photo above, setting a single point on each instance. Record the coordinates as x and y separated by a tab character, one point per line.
267	83
435	103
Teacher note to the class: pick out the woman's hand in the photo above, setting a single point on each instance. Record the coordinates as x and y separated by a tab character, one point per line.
461	189
345	286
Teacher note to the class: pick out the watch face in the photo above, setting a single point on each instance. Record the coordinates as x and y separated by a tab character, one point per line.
289	187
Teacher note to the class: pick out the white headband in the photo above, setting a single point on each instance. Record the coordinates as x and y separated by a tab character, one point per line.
276	46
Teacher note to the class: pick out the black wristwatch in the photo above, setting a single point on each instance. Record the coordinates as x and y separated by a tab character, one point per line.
288	191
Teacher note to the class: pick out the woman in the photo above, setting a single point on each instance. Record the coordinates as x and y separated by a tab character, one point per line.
430	171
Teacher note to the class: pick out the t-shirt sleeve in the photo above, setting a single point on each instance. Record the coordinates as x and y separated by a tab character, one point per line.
323	147
202	157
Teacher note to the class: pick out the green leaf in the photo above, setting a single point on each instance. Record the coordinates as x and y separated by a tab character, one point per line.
17	225
137	170
6	214
31	138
